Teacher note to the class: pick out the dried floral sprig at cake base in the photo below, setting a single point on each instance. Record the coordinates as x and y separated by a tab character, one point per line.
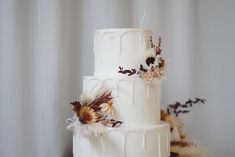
93	114
151	65
181	146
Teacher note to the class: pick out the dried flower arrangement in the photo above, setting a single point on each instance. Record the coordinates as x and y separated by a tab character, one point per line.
94	113
151	66
181	146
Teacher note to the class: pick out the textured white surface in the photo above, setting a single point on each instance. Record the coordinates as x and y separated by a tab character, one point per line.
137	102
119	47
142	141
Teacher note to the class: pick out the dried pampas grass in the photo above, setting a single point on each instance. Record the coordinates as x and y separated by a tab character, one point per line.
190	151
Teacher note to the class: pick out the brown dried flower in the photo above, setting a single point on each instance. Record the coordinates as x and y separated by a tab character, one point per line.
87	115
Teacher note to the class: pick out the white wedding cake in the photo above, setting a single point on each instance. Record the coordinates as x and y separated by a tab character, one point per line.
130	67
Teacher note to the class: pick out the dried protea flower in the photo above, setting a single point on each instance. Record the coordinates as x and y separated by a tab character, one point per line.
87	115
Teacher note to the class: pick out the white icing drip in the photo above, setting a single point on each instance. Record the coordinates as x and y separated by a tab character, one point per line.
124	144
159	130
140	45
96	38
110	33
144	42
144	139
132	92
120	48
120	36
159	93
159	144
147	88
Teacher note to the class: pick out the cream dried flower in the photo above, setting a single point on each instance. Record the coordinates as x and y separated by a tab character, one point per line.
85	99
108	108
150	59
148	76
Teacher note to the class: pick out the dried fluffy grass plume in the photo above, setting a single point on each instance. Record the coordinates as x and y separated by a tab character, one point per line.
181	146
190	151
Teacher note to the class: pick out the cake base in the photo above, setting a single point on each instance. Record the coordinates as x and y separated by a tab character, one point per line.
143	141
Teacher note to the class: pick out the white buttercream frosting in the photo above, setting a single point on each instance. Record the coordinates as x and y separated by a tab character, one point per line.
119	47
136	101
141	141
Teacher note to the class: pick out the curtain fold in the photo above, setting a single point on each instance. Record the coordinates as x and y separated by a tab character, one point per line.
46	49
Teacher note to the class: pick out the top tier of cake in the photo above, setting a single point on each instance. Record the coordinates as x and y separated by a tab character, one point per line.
119	47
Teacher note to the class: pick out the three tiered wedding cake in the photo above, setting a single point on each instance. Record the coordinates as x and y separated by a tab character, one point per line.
126	86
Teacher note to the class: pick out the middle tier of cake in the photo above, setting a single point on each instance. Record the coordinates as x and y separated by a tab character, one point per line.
136	101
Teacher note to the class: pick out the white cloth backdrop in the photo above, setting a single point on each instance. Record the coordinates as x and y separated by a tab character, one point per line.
46	48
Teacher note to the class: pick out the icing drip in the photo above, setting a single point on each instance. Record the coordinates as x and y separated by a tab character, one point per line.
159	133
124	144
120	48
159	144
132	92
144	140
147	88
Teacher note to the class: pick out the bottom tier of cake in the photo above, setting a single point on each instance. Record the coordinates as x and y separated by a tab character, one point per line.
143	141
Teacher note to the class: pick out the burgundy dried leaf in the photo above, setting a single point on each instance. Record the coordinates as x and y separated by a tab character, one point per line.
104	98
116	123
128	72
186	111
184	106
176	108
76	106
173	154
178	112
168	111
158	47
142	68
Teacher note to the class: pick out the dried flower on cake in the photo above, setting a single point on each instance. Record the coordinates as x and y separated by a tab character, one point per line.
108	108
87	115
181	146
148	76
85	99
151	65
151	60
179	108
94	113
